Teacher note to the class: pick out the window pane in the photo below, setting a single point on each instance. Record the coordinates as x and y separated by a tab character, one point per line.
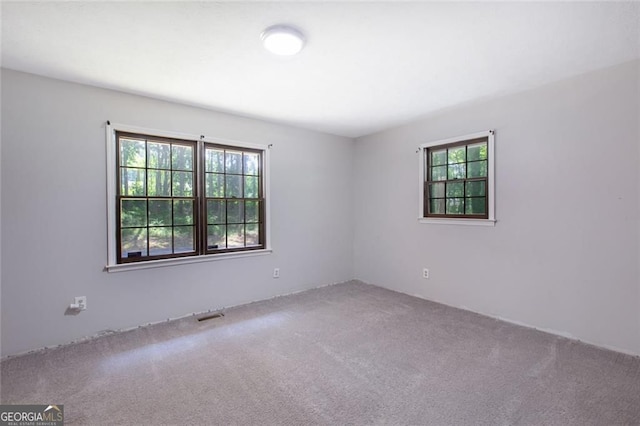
183	212
133	213
160	241
132	153
215	185
477	169
159	183
132	182
477	151
457	177
183	239
251	211
133	240
455	189
251	163
476	188
182	184
455	205
160	213
235	211
439	158
457	171
235	236
253	236
457	155
475	205
216	211
233	162
436	206
250	187
159	155
436	190
233	187
216	237
439	173
214	161
181	157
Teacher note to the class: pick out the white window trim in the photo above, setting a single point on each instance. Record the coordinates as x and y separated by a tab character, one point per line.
112	264
491	220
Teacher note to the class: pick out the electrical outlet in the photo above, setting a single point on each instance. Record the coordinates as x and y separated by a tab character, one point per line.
81	302
276	272
425	273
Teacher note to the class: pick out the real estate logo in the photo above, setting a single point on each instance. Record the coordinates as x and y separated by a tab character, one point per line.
31	415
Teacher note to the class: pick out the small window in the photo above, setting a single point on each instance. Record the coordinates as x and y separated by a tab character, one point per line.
181	197
457	179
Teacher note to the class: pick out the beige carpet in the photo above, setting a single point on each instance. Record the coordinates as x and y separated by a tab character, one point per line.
346	354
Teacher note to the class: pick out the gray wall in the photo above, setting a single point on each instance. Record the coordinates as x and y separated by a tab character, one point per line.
54	237
563	255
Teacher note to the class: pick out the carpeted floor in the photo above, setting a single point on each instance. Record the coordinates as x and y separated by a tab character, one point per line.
345	354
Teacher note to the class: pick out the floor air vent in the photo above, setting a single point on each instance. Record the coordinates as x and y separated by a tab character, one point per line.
212	316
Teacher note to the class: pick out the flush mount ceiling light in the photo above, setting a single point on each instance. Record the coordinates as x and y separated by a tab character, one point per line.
282	40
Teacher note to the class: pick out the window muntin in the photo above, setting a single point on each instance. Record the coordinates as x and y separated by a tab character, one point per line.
456	179
234	200
167	208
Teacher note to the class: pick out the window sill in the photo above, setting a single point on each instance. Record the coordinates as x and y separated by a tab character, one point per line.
446	221
183	260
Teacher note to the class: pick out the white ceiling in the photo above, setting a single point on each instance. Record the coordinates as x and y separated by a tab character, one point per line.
366	66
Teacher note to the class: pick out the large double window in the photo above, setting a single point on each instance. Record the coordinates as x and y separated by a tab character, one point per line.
176	197
457	179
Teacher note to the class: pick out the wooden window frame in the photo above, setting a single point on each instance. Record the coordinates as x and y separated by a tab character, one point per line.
488	218
119	197
260	199
118	261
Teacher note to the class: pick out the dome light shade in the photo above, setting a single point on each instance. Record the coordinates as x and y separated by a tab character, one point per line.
282	40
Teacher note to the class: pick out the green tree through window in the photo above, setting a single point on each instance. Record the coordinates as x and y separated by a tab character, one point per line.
456	179
234	201
168	208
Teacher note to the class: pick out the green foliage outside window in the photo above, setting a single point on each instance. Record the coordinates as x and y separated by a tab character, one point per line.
456	180
158	198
